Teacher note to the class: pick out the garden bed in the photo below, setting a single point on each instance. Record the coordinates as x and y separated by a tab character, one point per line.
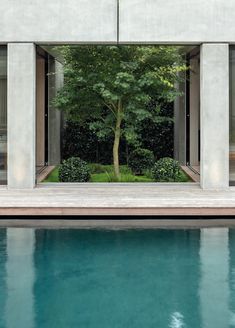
105	173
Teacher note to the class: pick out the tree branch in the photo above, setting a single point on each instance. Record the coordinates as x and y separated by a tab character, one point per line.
109	107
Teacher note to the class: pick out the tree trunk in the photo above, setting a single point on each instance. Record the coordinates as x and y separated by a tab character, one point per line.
117	136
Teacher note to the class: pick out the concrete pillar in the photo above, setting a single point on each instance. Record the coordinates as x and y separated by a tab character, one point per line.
214	90
21	115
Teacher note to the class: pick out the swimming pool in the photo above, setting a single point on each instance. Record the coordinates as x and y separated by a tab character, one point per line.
117	278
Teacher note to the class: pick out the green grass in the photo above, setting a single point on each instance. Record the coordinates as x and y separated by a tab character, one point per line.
53	176
105	173
99	168
109	177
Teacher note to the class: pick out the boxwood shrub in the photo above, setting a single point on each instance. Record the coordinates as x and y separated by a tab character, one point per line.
74	169
141	160
166	170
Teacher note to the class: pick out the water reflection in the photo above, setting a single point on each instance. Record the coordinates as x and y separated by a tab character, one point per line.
3	289
177	320
20	278
214	284
232	276
91	278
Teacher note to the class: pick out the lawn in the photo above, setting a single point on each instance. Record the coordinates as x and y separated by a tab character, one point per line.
105	173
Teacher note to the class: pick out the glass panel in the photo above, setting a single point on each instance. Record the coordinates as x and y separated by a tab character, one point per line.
232	116
3	114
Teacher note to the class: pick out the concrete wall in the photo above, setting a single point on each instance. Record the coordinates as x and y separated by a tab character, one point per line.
59	21
170	21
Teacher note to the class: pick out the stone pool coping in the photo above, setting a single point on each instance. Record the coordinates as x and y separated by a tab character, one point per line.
118	224
102	199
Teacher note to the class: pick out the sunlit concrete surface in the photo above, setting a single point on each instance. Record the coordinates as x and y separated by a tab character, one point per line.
75	21
177	21
21	115
58	21
214	90
119	199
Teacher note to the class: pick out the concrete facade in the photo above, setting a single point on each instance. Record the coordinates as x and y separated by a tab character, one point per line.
79	21
58	21
206	23
178	21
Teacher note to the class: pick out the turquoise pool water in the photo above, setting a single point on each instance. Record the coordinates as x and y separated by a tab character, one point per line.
112	279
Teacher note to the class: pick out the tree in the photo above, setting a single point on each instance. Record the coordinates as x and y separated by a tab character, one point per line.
112	86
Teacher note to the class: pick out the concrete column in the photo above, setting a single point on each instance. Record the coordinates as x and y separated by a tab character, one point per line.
21	115
214	116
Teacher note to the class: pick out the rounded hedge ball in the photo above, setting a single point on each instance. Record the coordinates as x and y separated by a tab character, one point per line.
141	160
74	169
166	170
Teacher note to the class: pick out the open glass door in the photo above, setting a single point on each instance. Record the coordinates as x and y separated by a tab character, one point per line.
232	118
3	114
193	111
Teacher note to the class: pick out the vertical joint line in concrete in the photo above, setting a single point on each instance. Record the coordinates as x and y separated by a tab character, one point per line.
118	21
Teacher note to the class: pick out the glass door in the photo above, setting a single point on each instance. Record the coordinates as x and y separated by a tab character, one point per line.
3	114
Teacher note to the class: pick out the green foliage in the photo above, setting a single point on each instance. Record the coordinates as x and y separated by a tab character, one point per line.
74	170
109	84
96	168
149	173
79	141
183	177
158	135
104	173
141	160
166	170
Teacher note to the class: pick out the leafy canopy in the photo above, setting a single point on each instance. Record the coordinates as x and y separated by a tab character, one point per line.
102	81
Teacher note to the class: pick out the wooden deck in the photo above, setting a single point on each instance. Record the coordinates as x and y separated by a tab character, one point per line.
194	175
117	199
43	172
